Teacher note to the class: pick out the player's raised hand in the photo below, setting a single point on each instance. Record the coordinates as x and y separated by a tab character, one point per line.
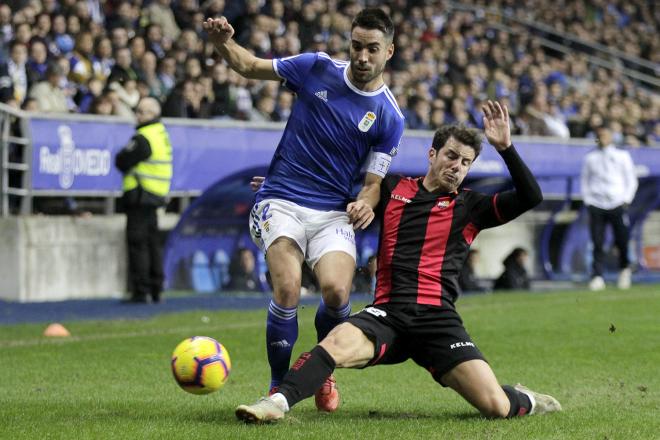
496	125
219	30
360	214
257	182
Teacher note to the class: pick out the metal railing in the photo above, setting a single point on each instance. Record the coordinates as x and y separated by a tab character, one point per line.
14	161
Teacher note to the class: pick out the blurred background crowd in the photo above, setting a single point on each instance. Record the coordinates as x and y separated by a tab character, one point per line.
101	56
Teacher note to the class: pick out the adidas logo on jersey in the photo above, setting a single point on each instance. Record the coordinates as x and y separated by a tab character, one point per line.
322	94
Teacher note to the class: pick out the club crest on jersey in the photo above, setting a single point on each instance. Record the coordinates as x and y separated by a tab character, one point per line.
443	203
367	121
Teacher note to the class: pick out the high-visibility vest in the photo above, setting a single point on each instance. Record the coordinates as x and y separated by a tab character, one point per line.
155	173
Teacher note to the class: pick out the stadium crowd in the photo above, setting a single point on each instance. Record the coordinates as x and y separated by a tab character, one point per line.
101	56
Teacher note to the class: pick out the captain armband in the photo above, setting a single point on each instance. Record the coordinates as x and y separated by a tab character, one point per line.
378	163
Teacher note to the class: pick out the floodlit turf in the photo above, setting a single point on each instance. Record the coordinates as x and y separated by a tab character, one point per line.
598	353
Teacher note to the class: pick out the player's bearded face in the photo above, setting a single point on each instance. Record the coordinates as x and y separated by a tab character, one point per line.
370	50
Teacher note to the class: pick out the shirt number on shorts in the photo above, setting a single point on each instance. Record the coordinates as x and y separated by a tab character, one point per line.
376	312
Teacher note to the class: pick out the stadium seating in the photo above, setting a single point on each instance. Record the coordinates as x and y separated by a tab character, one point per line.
449	58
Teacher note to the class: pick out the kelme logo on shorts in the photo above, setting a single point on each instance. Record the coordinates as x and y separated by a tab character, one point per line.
367	121
461	344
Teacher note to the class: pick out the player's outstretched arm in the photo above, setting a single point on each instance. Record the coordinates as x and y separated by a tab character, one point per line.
239	59
527	192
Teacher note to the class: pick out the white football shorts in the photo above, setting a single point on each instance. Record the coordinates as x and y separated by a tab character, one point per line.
316	232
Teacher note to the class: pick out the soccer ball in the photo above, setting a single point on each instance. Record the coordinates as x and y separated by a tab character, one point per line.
200	365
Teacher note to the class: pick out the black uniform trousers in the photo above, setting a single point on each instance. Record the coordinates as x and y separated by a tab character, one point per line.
598	220
145	256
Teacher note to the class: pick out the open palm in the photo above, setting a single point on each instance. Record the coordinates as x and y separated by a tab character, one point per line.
496	125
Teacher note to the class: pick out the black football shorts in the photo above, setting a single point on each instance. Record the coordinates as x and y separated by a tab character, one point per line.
433	337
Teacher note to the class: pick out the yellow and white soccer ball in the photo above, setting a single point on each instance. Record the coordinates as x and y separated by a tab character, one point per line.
201	365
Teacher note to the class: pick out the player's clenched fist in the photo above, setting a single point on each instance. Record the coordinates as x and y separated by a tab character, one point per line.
219	30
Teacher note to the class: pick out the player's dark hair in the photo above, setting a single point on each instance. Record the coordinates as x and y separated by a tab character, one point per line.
468	136
374	18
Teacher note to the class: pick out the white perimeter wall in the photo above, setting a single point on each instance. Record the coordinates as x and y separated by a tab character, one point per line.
48	258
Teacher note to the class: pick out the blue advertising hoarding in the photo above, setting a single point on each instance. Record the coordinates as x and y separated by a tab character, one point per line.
78	155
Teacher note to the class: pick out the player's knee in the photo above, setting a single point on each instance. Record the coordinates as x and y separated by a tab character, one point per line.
334	294
286	293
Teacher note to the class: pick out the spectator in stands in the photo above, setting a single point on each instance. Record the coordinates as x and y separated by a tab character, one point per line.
102	105
147	73
467	279
283	107
14	75
243	276
515	276
88	93
102	61
123	81
223	104
160	12
118	37
608	183
23	33
185	101
264	110
48	94
125	16
156	42
37	61
167	73
146	163
418	117
81	59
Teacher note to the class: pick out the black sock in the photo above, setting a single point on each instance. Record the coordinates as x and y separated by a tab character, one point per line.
307	375
520	403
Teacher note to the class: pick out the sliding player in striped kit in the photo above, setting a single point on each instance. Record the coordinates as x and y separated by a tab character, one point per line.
345	120
427	226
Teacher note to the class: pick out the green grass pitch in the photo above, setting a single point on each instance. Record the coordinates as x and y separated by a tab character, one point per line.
598	353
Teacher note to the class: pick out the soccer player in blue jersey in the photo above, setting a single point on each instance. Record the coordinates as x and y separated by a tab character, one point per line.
345	121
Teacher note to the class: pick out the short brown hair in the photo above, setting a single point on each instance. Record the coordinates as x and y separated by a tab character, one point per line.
374	18
468	136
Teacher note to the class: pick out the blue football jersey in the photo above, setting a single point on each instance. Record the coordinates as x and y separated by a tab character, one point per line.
331	130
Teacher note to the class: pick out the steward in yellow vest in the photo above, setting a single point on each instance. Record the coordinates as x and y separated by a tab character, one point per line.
146	163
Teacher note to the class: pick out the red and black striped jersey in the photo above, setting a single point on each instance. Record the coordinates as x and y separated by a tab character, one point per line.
425	236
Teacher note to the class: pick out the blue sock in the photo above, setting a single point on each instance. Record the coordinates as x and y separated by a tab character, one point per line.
328	317
281	334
